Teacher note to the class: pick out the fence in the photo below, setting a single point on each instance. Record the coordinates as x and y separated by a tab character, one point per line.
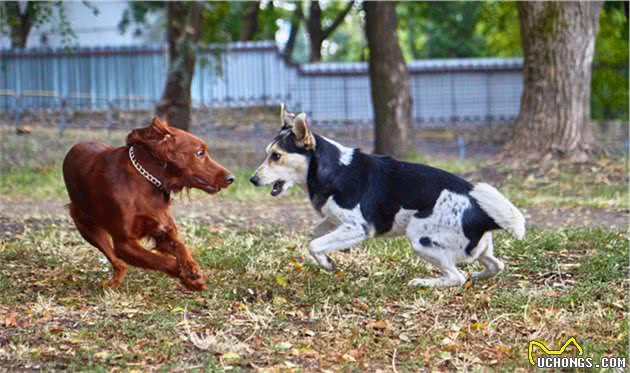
254	74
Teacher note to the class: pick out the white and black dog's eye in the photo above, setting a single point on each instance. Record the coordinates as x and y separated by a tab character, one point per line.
274	156
200	153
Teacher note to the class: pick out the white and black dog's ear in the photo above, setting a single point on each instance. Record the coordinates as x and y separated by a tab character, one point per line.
303	135
286	117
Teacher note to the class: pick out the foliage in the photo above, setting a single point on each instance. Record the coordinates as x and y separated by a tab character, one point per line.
609	98
498	25
37	14
441	29
221	19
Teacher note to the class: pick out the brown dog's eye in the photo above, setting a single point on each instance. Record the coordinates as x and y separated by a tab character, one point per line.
201	153
274	156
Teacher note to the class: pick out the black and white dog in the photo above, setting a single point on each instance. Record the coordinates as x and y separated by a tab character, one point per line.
447	220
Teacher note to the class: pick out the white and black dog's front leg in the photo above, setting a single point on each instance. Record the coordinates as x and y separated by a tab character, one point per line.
343	237
325	226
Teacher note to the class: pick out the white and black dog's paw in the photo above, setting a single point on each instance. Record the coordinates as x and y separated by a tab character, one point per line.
325	262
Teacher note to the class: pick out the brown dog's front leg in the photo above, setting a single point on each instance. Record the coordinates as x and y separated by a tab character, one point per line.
134	254
190	273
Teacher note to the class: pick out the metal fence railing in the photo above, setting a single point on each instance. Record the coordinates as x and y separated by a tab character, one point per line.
254	74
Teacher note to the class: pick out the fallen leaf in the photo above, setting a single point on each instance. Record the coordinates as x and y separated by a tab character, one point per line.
9	320
284	345
377	324
281	280
278	300
309	332
231	356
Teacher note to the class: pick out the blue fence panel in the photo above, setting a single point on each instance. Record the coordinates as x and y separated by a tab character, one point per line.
254	73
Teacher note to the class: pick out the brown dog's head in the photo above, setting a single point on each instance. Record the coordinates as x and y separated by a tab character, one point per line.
184	157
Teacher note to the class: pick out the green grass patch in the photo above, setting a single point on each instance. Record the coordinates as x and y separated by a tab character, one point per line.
41	183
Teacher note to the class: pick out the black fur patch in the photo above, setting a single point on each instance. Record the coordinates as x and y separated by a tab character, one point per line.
426	241
423	213
476	222
286	141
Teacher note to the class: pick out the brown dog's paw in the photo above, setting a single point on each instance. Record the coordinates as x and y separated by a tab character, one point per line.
111	284
190	271
195	285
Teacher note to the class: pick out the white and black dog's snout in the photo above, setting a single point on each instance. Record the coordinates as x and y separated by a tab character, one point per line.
255	180
277	186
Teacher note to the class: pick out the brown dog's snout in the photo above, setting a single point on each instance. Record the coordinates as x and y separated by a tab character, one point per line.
224	178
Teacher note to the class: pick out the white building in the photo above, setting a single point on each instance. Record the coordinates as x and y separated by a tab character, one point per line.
92	30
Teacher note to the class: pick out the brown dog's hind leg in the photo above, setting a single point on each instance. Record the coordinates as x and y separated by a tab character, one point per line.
100	239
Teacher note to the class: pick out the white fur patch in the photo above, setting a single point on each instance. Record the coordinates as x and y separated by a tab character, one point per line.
442	230
292	171
345	153
401	221
340	215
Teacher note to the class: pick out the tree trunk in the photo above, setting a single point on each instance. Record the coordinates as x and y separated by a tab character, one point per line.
250	21
415	53
389	80
316	33
19	31
296	19
314	26
182	34
558	47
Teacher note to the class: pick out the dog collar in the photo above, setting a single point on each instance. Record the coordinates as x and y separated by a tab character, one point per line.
152	179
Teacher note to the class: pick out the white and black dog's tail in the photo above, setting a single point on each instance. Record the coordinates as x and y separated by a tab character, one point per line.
502	211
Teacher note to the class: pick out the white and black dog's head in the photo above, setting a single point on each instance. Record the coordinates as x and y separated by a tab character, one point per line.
287	158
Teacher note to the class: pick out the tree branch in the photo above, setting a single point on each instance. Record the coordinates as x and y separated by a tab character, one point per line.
326	33
299	12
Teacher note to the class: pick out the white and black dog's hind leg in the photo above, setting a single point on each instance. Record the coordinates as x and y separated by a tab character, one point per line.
343	237
491	264
443	260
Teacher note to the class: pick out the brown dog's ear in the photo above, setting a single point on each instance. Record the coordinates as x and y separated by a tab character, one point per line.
157	131
303	135
160	126
157	137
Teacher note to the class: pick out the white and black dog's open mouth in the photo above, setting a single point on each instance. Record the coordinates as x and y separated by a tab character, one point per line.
277	187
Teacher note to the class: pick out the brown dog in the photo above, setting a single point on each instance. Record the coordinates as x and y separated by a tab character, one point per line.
121	195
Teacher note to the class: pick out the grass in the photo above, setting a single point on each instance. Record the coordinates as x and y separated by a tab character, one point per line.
266	306
602	184
30	168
